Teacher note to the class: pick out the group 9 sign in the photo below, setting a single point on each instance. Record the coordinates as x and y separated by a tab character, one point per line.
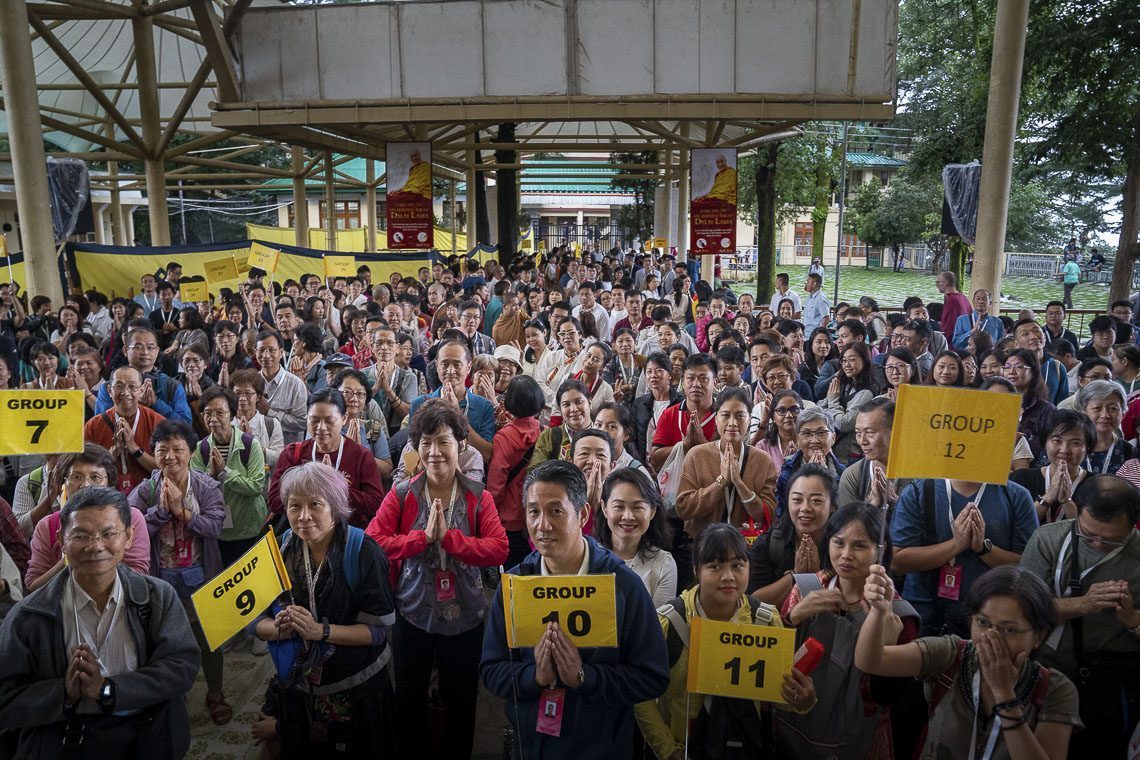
41	422
739	660
583	606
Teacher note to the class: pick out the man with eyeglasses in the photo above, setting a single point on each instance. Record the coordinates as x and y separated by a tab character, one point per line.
914	336
1029	335
587	301
978	320
285	393
453	362
866	480
125	430
1092	564
470	317
158	391
947	534
94	466
395	387
100	652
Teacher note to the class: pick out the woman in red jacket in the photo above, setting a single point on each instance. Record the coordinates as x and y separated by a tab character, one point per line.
439	530
510	454
326	443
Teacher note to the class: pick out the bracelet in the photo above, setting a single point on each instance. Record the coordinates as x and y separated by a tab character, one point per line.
1007	706
1021	722
327	632
750	499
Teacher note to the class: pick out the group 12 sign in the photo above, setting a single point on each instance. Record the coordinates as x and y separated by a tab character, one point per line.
953	433
712	210
410	216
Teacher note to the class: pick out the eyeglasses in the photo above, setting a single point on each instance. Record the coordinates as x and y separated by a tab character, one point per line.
354	394
79	479
86	539
1097	540
783	411
985	624
119	387
814	435
779	377
568	335
1014	367
208	414
848	361
895	368
245	394
148	347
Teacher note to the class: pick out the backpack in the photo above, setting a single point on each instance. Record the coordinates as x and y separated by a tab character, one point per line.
944	684
243	455
352	543
36	484
842	724
724	729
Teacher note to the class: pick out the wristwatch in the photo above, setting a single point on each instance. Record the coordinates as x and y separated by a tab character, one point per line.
987	547
107	696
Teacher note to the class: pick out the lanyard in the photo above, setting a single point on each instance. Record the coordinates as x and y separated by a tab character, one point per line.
134	427
339	453
1081	472
1067	546
167	317
991	742
312	580
150	304
977	499
448	517
628	376
1107	459
976	319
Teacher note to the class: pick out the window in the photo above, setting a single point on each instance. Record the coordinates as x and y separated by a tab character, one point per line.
804	234
347	214
853	246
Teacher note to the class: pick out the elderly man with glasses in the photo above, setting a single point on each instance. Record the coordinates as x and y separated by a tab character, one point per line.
1092	565
125	430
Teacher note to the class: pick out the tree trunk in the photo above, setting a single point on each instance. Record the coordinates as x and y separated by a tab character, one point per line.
819	213
766	222
506	192
482	218
1129	246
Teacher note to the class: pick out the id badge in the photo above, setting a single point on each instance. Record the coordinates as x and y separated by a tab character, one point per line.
125	486
183	552
950	582
551	704
444	586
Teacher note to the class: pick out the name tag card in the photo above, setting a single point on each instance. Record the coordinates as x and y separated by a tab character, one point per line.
584	606
739	660
953	433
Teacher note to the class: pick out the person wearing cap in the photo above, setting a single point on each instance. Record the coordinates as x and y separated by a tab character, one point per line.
333	364
509	361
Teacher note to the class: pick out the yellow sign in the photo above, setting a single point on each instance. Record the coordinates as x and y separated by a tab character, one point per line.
340	266
4	246
584	606
221	270
542	245
953	433
263	257
525	244
41	422
193	292
660	243
739	660
232	599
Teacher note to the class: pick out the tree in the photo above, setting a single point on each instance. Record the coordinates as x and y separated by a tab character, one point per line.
890	218
637	219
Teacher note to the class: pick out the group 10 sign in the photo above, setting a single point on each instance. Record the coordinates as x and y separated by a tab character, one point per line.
739	660
953	433
584	606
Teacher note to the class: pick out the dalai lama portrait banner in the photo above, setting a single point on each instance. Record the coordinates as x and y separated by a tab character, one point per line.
712	210
410	218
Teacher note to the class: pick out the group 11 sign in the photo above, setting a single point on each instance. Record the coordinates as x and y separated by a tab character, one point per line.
410	216
712	211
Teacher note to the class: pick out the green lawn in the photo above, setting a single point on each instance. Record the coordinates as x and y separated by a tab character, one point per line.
891	288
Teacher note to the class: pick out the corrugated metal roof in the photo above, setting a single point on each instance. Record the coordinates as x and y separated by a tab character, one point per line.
873	161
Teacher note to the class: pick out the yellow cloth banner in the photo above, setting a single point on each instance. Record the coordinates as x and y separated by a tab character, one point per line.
221	270
953	433
584	606
232	599
41	422
263	257
349	241
739	660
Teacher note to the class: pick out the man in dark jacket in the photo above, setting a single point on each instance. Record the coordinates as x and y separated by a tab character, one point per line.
601	685
96	664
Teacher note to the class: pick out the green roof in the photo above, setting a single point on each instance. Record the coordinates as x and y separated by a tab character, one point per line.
357	168
873	161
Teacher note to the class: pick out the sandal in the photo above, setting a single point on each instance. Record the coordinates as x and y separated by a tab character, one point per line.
220	712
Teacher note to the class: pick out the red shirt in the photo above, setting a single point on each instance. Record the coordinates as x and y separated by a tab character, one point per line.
100	429
674	423
954	305
365	492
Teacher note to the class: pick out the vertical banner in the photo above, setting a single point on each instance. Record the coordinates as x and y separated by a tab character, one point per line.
410	217
712	211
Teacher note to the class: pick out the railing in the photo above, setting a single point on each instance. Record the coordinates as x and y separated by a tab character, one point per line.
594	236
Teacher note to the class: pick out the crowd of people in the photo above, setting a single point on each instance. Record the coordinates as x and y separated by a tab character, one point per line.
408	441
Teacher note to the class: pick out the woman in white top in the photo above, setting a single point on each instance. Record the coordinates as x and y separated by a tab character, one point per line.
534	333
634	527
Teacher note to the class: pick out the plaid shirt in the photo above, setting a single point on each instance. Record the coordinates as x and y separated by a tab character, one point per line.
482	344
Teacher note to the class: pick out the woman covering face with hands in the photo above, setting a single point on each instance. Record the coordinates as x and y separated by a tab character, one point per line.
990	699
443	529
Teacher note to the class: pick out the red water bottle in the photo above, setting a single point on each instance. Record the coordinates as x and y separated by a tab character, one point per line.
808	656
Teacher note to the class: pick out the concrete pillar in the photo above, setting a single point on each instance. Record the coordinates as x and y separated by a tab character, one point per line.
682	228
472	215
997	152
370	234
100	229
330	203
129	226
667	201
454	223
158	213
29	164
300	203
